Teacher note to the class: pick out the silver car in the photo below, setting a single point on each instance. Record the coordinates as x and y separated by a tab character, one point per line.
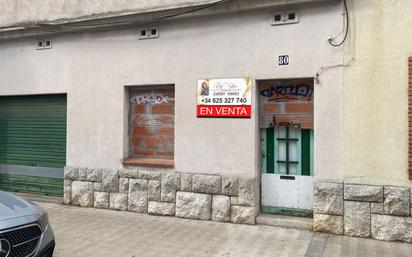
24	228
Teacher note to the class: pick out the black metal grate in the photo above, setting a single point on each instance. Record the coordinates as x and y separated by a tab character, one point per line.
23	240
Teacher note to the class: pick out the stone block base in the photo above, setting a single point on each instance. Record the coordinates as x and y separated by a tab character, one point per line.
185	195
380	212
328	223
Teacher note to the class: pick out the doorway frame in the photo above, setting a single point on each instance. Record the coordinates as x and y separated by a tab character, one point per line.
280	210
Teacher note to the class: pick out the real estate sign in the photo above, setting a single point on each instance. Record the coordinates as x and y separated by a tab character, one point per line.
226	98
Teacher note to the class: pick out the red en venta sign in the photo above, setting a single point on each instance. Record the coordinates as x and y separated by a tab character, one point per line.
225	98
243	111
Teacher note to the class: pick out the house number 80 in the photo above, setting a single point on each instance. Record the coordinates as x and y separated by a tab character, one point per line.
283	60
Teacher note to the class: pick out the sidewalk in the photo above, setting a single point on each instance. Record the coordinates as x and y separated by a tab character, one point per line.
82	232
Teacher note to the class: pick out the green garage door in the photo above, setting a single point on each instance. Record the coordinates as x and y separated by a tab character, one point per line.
32	143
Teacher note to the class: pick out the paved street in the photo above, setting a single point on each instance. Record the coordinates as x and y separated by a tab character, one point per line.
91	232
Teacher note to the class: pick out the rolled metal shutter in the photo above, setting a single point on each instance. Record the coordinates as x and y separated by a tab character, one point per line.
33	142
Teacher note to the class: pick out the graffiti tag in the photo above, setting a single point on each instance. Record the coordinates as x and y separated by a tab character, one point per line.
288	92
289	124
150	99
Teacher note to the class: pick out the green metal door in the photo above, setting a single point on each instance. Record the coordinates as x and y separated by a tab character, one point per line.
32	143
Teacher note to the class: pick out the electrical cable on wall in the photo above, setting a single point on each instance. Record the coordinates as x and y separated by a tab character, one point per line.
324	68
194	10
71	23
331	40
346	29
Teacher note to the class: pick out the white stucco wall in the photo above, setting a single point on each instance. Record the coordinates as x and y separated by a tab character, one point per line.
94	68
376	92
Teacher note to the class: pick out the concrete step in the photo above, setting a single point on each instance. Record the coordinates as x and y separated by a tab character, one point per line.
285	221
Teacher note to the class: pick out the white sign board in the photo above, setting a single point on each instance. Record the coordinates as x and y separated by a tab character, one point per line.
224	97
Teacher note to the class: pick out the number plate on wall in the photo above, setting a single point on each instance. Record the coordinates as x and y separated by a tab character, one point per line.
283	60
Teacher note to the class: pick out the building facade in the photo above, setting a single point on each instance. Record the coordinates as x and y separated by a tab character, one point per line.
215	110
